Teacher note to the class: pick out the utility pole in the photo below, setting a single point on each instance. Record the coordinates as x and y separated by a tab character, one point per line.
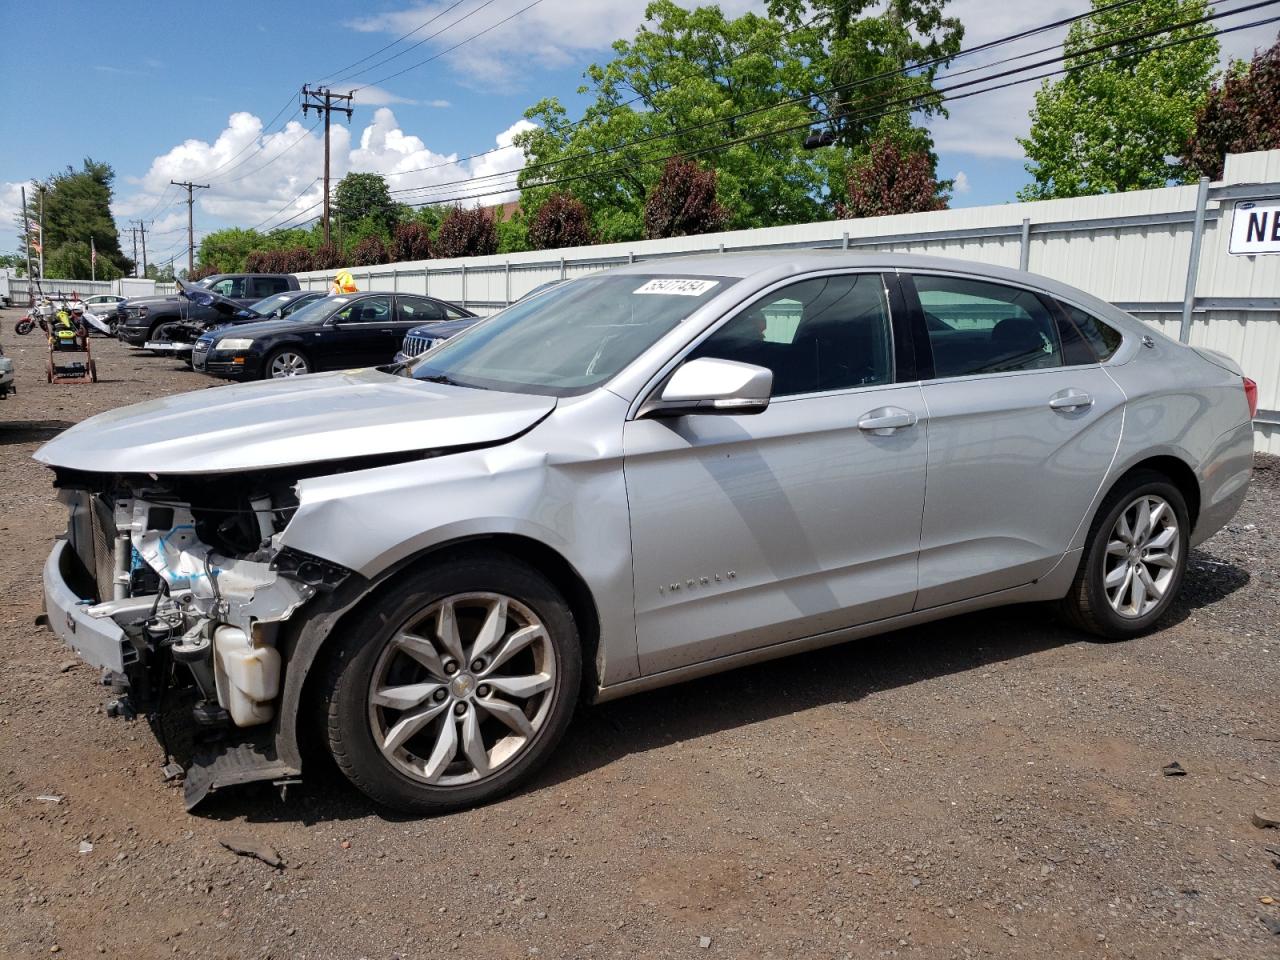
191	234
134	231
26	237
142	229
93	260
321	100
42	232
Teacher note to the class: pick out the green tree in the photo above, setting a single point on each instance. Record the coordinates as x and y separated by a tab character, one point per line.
1239	115
77	206
687	68
225	250
1116	124
365	196
467	232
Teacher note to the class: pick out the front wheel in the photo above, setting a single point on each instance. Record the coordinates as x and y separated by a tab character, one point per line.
453	686
286	362
1134	559
24	326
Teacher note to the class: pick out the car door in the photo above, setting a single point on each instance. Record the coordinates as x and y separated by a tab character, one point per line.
748	531
356	335
1023	425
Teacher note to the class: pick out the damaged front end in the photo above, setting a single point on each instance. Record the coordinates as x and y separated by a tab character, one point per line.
178	588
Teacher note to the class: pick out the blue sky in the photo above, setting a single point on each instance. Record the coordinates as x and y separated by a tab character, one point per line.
183	91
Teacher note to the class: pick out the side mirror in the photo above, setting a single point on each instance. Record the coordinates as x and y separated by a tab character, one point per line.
709	385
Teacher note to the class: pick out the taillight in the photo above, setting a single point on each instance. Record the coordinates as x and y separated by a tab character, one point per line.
1251	397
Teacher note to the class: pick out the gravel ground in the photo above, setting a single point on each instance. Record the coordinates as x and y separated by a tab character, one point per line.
986	786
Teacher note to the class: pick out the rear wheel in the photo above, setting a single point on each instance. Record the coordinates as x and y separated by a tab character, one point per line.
286	362
1134	558
453	686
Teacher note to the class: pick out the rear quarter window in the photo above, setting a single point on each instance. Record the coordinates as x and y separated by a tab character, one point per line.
1102	337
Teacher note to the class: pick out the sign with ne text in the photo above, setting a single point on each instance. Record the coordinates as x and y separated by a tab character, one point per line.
1255	227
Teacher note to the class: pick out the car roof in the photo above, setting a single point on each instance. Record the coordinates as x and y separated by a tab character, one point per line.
768	266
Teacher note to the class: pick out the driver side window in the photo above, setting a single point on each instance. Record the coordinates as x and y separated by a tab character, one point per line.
366	310
232	287
819	335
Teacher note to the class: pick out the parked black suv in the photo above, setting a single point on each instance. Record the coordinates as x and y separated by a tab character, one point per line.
137	319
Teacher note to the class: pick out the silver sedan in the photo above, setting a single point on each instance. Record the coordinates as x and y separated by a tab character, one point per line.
638	477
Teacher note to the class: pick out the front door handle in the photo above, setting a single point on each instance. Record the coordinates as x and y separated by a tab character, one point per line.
1070	399
882	421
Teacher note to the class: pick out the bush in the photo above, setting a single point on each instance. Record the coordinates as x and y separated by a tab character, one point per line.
369	252
411	241
297	260
326	257
683	202
467	232
888	181
1239	115
202	270
561	221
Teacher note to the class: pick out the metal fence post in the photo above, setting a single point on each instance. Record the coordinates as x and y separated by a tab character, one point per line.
844	240
1193	261
631	257
1024	254
395	280
507	283
464	286
562	268
426	281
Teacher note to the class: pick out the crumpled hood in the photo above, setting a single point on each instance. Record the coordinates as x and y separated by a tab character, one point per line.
300	420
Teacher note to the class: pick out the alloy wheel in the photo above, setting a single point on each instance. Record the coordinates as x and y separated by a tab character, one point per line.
462	689
288	364
1142	556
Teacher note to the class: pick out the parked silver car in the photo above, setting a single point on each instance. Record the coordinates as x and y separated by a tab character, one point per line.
638	477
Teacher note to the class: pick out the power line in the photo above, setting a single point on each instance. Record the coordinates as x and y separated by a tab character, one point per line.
388	46
305	134
415	45
888	74
191	234
791	101
300	195
905	104
213	174
437	56
908	104
577	123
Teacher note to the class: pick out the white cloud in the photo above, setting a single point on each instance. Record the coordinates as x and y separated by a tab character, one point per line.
555	34
11	206
275	179
960	182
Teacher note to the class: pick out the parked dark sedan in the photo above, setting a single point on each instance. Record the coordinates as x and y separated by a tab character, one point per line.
333	333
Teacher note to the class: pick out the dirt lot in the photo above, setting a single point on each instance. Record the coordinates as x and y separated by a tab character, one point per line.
989	786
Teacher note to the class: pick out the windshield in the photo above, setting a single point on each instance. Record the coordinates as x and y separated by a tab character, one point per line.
318	309
268	304
572	338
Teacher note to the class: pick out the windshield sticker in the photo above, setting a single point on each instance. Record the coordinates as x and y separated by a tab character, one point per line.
677	287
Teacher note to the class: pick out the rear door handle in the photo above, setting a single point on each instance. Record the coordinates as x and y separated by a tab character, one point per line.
1070	399
882	421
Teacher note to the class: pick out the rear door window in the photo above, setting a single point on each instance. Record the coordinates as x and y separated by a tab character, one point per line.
266	286
420	310
977	327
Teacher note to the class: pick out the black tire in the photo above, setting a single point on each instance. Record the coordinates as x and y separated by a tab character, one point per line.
358	650
1086	605
275	354
24	326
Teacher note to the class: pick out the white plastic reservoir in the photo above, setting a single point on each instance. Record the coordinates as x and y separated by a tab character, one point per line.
248	677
